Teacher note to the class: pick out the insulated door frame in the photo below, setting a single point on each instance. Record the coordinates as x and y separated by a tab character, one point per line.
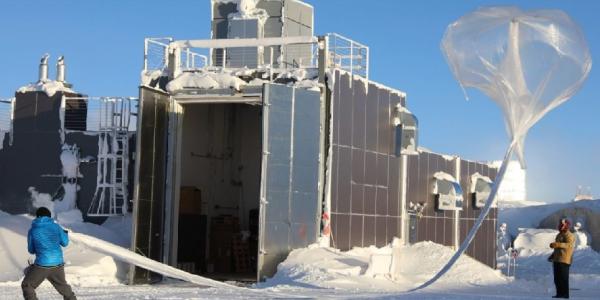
155	193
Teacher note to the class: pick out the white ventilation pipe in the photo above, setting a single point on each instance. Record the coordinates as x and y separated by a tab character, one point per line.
60	69
44	68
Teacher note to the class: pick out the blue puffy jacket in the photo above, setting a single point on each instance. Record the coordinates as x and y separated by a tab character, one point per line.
45	239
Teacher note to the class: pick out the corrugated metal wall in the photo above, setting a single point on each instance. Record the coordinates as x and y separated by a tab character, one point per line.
438	226
365	195
435	225
483	247
365	178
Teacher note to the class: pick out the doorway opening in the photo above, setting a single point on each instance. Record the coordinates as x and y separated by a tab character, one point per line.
220	173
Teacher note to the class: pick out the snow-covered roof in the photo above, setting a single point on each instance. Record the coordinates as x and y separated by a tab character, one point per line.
50	87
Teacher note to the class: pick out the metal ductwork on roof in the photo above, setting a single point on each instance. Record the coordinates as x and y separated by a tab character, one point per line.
43	76
60	69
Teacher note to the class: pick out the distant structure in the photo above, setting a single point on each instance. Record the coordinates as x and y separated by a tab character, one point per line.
583	193
513	186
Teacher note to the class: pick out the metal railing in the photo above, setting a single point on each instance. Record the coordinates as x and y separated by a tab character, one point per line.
156	56
344	54
156	53
6	119
348	55
99	114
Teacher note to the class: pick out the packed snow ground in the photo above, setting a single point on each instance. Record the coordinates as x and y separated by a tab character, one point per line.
312	272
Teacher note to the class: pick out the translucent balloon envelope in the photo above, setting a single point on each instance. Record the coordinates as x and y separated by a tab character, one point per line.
528	62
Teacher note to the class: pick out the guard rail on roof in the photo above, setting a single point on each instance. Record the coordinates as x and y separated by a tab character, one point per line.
100	114
275	54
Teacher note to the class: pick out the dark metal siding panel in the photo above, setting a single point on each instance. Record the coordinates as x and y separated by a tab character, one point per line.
362	182
371	170
24	113
150	200
358	123
344	180
394	187
88	146
357	195
380	231
358	165
371	111
384	127
369	231
336	108
370	200
346	110
393	227
356	232
381	208
35	151
435	225
483	246
341	237
334	177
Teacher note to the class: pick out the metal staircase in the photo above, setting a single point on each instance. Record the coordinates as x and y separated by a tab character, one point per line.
111	196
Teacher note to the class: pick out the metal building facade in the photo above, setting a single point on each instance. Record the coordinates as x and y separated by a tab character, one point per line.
365	173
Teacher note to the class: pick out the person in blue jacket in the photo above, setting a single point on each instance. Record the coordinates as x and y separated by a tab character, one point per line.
45	239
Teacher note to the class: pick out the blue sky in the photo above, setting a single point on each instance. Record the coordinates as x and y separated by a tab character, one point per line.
103	45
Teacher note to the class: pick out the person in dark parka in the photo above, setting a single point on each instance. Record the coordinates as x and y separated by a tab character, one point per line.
45	239
562	257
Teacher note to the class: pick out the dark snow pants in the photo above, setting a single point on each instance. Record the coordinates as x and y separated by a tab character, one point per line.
35	275
561	279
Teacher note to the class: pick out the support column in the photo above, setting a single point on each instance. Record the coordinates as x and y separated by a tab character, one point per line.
403	186
457	212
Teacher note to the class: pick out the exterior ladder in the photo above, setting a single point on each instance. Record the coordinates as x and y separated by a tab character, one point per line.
111	196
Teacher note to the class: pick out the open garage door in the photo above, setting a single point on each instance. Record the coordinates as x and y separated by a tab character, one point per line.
290	202
149	189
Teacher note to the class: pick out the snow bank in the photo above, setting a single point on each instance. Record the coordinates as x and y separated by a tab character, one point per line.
535	271
50	87
332	268
532	213
83	267
530	241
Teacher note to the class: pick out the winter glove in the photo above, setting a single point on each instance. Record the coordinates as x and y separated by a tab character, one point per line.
552	245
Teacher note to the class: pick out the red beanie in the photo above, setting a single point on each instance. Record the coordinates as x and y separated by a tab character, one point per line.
565	226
